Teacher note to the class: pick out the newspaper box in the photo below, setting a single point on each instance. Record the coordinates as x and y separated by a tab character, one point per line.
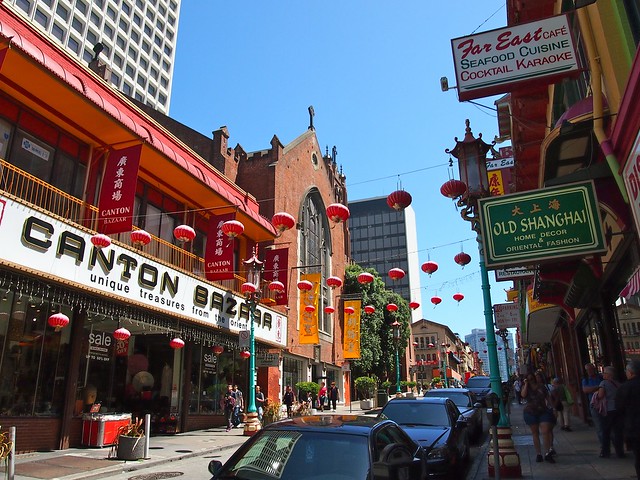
100	429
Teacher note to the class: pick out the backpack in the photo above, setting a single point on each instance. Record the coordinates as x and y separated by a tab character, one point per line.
599	404
230	401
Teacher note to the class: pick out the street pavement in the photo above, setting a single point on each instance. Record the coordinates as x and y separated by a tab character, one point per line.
577	455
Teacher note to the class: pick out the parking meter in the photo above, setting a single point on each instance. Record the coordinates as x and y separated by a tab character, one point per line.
493	408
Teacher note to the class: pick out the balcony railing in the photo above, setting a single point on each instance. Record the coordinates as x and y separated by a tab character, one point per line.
30	189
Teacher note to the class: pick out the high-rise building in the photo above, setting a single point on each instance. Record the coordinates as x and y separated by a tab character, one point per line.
138	39
478	342
383	238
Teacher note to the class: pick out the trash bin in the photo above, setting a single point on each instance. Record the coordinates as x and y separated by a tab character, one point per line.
383	397
100	429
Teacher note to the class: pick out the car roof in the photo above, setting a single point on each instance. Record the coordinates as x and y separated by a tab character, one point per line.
352	424
435	391
419	399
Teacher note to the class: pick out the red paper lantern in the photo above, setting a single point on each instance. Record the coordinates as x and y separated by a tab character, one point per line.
482	339
218	349
429	267
283	221
276	286
334	282
415	344
176	343
100	240
396	273
184	233
121	334
140	238
244	354
436	300
413	305
392	307
453	188
337	212
248	288
58	320
399	200
369	309
349	310
329	309
309	308
232	228
458	297
365	277
462	259
305	285
431	345
484	351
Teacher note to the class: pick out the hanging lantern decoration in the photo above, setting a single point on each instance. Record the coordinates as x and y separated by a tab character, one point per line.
305	285
232	228
309	308
462	259
392	307
369	309
429	267
329	309
453	188
337	213
431	345
365	277
334	282
399	200
482	339
415	344
436	300
176	343
184	233
58	320
484	351
413	305
349	310
282	221
458	297
140	238
244	354
217	350
248	288
396	273
121	334
100	240
276	286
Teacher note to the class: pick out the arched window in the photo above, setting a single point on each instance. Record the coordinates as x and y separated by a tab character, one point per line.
315	251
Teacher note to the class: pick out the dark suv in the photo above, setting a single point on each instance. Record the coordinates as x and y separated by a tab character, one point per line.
479	385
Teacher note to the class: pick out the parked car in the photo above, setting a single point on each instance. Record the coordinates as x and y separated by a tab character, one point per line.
466	401
437	425
480	385
326	447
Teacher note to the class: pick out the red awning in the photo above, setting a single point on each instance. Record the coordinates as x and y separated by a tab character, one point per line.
633	285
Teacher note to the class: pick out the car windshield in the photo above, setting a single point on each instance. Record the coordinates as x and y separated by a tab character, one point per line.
478	383
461	399
291	455
416	413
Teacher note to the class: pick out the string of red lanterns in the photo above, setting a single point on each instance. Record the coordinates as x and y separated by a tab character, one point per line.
369	309
140	238
282	221
349	310
429	267
305	285
462	259
338	213
334	282
365	277
100	240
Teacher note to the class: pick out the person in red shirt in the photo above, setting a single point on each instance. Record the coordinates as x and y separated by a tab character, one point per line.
322	396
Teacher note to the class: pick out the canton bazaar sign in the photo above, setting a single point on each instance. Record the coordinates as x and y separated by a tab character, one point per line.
492	62
524	229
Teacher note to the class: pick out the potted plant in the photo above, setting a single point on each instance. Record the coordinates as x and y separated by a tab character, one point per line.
131	441
365	387
271	411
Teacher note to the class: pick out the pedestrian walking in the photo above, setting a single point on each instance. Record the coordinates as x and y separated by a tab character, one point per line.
590	385
611	425
239	408
259	402
517	387
288	399
229	405
333	396
560	403
322	396
538	416
628	409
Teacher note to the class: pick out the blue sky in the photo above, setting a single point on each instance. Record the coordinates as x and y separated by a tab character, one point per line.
371	70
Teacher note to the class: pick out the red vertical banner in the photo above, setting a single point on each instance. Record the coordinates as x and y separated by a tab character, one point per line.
276	267
118	190
218	254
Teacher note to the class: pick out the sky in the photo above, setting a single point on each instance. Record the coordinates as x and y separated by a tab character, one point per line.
371	70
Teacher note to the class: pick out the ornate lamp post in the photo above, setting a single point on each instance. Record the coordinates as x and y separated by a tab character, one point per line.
443	356
503	333
254	271
396	342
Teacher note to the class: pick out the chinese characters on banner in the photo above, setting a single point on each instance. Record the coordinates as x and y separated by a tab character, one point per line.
309	320
218	254
351	341
276	267
499	172
119	190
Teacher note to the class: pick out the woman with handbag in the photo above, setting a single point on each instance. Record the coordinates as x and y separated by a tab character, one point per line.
538	416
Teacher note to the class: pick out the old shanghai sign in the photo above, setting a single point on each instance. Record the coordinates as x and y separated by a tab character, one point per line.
492	62
525	229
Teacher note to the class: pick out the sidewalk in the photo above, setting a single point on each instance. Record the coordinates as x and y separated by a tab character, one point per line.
94	463
577	455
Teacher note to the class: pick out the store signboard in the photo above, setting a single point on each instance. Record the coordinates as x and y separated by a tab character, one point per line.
550	223
268	360
47	246
506	315
513	273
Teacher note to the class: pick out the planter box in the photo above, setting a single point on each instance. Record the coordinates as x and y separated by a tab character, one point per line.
130	448
366	404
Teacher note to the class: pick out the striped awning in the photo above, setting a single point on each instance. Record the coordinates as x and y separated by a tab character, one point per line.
633	285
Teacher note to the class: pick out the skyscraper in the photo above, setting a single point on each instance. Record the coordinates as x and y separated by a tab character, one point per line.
477	341
139	39
383	238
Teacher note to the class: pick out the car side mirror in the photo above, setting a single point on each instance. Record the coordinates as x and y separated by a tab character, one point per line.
215	466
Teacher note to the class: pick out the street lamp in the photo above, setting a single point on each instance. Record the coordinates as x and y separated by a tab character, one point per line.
252	295
396	342
443	355
503	333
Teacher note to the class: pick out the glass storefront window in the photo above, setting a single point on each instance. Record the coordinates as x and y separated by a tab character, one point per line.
210	376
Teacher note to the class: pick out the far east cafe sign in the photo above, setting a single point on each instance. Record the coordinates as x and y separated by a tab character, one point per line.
493	62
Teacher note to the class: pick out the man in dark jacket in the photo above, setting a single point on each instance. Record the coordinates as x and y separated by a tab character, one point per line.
628	407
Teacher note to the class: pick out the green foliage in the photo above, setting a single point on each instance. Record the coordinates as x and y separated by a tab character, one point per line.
365	386
310	387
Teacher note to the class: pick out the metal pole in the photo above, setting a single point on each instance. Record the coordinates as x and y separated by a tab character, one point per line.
147	434
398	370
11	465
252	360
